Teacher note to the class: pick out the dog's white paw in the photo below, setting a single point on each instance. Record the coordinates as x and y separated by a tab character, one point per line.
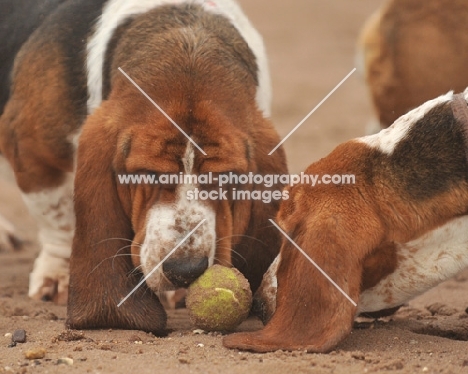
9	240
49	279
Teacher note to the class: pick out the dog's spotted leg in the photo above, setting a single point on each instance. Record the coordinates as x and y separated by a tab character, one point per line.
52	209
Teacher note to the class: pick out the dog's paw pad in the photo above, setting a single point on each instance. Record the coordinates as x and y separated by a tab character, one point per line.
49	280
55	290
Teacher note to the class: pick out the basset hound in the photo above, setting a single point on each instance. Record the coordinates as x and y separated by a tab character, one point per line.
401	229
105	88
411	51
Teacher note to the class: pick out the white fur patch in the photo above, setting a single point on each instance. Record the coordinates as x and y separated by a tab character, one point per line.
422	264
387	139
117	11
53	211
189	158
167	225
74	139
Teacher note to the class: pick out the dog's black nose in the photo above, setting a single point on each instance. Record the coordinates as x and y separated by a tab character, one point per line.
182	272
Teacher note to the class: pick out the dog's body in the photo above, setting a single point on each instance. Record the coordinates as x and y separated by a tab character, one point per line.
399	230
411	51
74	122
18	20
403	228
29	16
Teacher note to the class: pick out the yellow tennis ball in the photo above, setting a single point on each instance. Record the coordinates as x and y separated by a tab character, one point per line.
219	300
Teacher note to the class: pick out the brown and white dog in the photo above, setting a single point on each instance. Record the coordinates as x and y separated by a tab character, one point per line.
401	229
12	37
74	122
411	51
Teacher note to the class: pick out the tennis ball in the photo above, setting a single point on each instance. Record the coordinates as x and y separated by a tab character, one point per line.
219	300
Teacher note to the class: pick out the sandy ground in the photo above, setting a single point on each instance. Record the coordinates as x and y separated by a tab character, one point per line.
311	46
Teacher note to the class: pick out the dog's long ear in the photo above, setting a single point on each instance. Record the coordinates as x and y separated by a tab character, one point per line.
259	241
311	313
101	270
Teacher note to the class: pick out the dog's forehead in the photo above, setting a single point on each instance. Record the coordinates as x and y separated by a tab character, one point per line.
171	151
152	154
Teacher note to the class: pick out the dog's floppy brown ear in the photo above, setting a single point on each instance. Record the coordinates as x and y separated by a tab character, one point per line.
311	313
101	270
224	235
258	242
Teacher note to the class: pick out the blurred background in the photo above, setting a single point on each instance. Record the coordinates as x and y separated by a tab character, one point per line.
311	46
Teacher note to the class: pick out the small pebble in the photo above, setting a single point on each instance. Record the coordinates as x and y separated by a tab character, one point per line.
425	369
200	345
19	336
8	335
65	360
35	353
199	332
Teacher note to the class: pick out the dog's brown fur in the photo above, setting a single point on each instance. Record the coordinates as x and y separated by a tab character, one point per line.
205	77
350	230
413	51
